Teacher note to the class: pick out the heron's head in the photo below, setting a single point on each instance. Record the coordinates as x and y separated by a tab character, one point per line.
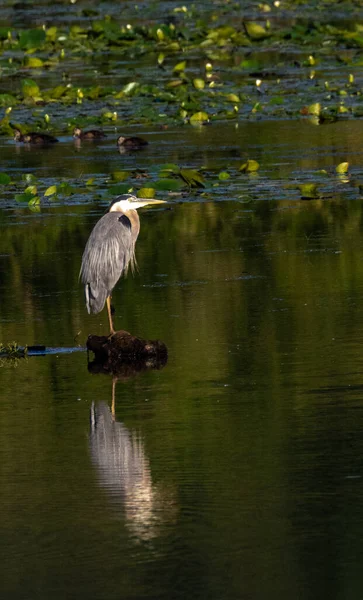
77	132
120	140
129	201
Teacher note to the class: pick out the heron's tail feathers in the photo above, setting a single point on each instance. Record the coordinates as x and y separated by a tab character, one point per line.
95	299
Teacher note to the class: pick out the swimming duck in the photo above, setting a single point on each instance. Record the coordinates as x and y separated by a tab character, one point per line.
91	134
131	143
34	138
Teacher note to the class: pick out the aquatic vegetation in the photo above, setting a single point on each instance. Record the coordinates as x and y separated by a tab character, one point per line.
250	166
10	354
196	64
190	67
342	168
5	179
309	191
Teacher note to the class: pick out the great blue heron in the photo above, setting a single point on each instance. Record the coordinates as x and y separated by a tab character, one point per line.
110	251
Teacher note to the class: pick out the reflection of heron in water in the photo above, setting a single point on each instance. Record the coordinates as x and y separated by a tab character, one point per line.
118	453
124	472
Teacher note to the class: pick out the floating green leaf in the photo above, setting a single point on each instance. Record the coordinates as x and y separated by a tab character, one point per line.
120	175
160	34
192	177
223	176
314	109
249	166
108	115
170	185
199	118
33	62
31	189
199	84
7	100
4	33
25	197
180	66
58	92
169	168
342	167
174	83
51	34
146	192
33	38
4	179
50	191
255	31
30	88
65	188
251	64
34	202
233	98
120	188
309	191
29	178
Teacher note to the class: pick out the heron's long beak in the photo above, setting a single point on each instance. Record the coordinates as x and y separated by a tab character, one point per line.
140	202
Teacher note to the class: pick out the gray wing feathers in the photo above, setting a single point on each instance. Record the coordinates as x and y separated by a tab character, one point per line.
108	254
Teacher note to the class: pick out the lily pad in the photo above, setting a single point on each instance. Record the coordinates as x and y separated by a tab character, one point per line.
50	191
199	118
192	177
33	38
120	175
119	188
7	100
342	167
33	62
169	168
30	88
250	166
199	84
309	191
180	67
255	31
314	109
146	193
4	179
26	196
29	178
170	185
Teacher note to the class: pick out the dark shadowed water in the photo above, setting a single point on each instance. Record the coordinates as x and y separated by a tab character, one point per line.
236	471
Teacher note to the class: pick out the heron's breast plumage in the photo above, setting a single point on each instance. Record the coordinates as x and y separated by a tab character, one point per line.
109	253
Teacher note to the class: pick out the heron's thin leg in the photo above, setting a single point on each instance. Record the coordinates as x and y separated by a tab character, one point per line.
108	302
114	381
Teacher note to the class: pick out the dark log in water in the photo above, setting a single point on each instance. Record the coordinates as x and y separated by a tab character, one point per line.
114	352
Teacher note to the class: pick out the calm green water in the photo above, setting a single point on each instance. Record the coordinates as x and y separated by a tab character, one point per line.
236	470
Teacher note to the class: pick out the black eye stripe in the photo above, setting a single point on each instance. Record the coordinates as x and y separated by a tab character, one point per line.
125	221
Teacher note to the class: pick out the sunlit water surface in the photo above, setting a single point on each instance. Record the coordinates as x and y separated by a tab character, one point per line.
236	470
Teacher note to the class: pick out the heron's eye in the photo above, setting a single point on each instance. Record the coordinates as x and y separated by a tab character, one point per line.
125	221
